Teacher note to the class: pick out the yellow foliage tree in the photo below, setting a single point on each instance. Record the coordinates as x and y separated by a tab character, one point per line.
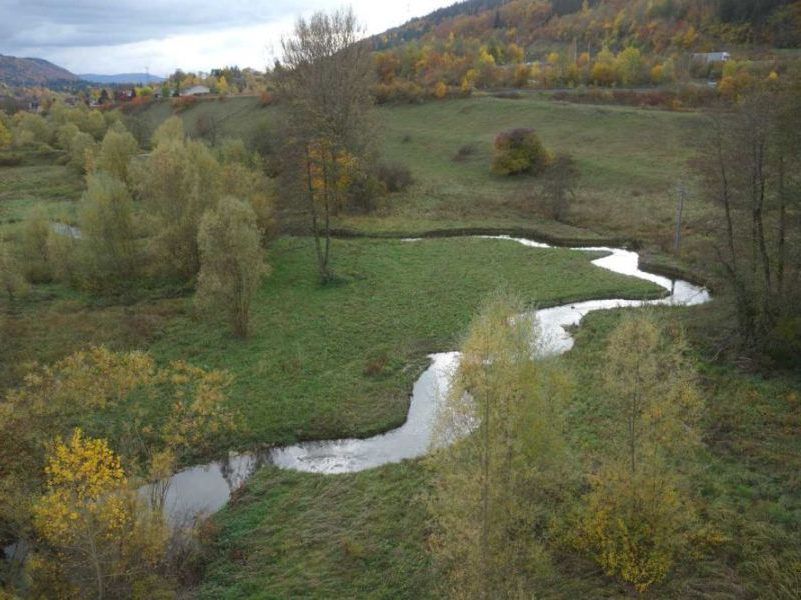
99	536
440	90
639	517
500	459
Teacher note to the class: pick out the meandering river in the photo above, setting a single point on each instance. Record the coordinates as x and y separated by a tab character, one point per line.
204	489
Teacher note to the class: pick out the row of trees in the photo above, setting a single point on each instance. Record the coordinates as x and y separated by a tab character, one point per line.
141	216
513	492
655	26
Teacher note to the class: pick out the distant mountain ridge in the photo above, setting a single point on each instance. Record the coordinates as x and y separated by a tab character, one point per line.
122	78
22	72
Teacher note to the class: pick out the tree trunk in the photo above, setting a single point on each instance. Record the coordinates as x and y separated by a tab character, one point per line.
781	250
321	259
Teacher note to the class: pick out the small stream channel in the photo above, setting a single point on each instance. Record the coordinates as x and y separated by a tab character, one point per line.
203	489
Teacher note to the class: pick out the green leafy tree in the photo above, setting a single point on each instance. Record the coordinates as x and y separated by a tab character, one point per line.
178	182
500	462
12	281
82	152
629	66
116	151
33	247
231	262
171	130
108	239
5	136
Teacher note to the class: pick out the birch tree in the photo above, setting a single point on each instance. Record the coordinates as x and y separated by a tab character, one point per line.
324	79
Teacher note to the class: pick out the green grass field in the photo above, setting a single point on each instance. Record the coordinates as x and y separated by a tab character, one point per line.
340	360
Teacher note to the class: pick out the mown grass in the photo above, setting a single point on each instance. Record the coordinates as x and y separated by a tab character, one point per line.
340	360
364	535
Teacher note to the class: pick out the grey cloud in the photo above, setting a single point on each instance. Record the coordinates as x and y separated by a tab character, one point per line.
32	24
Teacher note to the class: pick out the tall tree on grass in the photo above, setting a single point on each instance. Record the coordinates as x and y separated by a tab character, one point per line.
324	80
750	163
108	240
507	467
178	182
638	519
231	261
116	152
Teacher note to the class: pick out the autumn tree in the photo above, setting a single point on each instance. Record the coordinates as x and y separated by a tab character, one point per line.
82	152
324	79
108	239
560	181
100	538
116	152
500	462
231	262
750	163
155	416
639	518
519	151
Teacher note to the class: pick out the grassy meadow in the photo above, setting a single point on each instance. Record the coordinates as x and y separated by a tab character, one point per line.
630	161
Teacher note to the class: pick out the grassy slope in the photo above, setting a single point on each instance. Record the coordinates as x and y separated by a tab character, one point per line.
340	360
630	161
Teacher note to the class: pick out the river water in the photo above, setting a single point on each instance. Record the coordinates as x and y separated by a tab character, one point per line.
204	489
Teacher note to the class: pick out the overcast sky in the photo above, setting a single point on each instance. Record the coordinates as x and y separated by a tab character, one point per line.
123	36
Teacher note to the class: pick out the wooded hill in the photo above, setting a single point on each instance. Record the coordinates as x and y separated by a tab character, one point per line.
24	72
491	44
655	25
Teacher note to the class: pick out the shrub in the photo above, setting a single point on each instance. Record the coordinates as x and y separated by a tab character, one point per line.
266	98
519	151
182	103
395	176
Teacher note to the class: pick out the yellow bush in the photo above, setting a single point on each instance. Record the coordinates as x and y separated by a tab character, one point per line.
635	527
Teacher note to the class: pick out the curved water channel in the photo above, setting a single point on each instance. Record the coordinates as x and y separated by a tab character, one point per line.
204	489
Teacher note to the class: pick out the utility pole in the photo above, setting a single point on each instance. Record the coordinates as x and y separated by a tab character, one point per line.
681	192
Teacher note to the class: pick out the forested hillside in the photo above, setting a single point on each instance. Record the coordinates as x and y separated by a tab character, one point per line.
552	43
32	71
